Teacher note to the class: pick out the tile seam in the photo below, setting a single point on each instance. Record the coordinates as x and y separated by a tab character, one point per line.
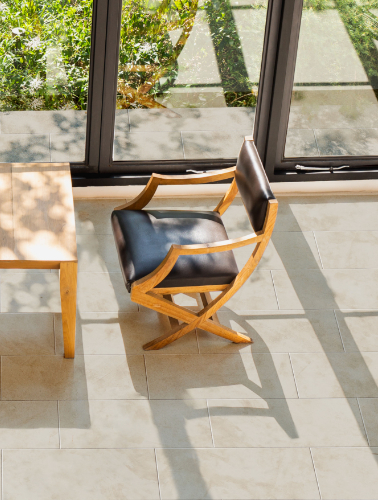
295	380
339	330
157	473
363	422
274	288
316	475
211	427
318	249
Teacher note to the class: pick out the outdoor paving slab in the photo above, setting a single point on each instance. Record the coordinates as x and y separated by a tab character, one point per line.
327	213
30	292
348	249
148	146
290	423
122	122
43	122
347	142
94	474
211	144
276	331
105	292
68	147
26	334
120	333
369	411
134	424
326	289
191	119
245	474
220	376
358	329
347	473
336	375
24	148
300	142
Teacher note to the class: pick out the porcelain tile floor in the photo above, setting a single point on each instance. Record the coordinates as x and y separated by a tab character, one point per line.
293	416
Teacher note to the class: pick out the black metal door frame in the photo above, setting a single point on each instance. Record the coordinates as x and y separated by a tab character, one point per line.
272	112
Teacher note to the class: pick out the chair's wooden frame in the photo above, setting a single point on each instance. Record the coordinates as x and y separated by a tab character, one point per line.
144	291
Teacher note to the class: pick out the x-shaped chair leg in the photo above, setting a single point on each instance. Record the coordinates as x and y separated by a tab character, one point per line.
190	319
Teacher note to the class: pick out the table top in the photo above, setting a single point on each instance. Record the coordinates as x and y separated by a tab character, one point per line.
37	221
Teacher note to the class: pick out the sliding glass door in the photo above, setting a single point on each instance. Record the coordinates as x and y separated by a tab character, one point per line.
188	78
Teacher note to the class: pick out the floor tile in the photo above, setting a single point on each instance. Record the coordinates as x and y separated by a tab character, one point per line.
300	142
349	142
288	423
26	334
43	122
257	293
327	213
220	376
93	216
97	253
134	424
327	289
276	331
208	144
148	146
358	329
68	147
105	292
42	378
347	473
54	377
24	148
25	292
348	249
80	474
29	424
242	474
369	411
117	333
336	375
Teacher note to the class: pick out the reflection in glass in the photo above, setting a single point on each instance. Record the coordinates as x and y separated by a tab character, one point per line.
44	72
334	109
188	77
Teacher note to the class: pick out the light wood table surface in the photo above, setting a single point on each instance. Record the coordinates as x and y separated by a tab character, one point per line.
37	229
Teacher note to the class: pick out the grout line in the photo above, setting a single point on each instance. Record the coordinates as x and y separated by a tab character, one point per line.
316	476
128	117
317	247
275	291
198	347
60	441
316	142
145	371
211	427
157	473
363	421
182	144
338	327
292	369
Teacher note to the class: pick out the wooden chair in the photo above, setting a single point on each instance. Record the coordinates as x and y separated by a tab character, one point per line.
165	252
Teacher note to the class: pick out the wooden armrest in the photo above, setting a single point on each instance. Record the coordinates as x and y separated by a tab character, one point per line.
154	278
163	180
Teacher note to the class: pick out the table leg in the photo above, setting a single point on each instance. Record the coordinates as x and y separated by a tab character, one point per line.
68	290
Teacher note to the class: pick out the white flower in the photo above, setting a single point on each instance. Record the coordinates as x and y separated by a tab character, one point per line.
36	103
34	43
3	7
33	85
145	47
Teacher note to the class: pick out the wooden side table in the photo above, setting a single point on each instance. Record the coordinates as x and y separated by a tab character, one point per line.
37	229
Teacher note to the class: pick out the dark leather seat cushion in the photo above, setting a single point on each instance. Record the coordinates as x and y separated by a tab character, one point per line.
143	239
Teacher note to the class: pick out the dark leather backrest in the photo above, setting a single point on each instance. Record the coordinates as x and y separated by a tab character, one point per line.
253	184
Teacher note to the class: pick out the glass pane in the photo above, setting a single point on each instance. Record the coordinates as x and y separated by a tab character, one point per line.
188	78
44	71
334	109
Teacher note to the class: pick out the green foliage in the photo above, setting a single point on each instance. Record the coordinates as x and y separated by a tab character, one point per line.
46	65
